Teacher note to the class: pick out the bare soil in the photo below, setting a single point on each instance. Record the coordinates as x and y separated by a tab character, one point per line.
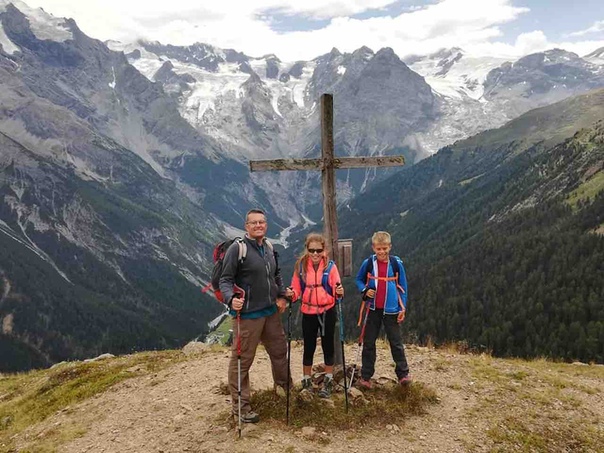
484	404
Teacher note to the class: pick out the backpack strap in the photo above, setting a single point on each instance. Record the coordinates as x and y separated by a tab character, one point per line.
325	280
302	281
396	270
242	250
270	245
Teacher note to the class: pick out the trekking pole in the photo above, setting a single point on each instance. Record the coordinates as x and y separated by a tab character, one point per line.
360	343
289	350
339	303
239	368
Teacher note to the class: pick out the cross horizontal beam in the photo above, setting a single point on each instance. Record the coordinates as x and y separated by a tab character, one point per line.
318	164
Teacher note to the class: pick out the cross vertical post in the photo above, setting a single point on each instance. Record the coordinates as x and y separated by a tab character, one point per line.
328	176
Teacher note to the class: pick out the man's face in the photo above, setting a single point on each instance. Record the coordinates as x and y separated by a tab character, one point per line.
382	251
255	225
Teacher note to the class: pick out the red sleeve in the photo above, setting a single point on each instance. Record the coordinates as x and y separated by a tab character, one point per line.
296	286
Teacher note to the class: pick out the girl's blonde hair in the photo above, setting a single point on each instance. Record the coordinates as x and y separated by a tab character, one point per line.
303	260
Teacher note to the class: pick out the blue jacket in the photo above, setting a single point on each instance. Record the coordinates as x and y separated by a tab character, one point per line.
396	291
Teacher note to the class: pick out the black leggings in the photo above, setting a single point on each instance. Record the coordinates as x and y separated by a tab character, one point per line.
310	327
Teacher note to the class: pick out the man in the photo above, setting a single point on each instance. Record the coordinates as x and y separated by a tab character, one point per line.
259	277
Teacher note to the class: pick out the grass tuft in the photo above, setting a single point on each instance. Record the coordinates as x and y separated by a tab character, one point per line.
538	436
380	406
29	398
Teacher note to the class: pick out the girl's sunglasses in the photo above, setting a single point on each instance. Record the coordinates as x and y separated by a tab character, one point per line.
315	250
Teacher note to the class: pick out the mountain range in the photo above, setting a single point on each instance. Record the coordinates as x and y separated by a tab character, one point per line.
121	164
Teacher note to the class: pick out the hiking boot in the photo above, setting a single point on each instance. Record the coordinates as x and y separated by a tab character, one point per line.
365	384
325	392
405	380
306	384
280	391
248	417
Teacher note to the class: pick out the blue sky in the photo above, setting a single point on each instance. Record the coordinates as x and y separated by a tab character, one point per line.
304	29
557	18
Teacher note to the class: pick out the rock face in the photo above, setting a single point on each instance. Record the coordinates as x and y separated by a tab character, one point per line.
110	202
272	111
541	79
379	101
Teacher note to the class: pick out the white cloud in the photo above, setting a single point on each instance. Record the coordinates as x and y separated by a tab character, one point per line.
245	25
533	42
597	27
323	9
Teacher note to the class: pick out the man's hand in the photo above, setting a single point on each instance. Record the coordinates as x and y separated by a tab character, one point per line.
281	304
370	293
401	316
236	303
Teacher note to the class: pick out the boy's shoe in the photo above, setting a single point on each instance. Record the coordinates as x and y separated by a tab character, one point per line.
405	380
248	417
325	392
306	384
365	384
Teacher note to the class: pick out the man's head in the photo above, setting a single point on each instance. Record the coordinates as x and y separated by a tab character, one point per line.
381	243
255	224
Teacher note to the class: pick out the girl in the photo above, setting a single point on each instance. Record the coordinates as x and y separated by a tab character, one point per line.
316	281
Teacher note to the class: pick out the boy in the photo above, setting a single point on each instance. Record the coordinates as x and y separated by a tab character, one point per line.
383	283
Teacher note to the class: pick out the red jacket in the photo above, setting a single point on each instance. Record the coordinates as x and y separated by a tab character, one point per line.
315	299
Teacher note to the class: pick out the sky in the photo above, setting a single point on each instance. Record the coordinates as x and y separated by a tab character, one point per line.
305	29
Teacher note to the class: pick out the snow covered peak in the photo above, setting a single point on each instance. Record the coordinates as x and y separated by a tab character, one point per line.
596	57
43	25
7	45
452	73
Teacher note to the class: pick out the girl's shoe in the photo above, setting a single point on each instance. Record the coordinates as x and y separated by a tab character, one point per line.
325	392
306	384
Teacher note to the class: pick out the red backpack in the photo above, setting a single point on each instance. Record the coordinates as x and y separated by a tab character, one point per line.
218	257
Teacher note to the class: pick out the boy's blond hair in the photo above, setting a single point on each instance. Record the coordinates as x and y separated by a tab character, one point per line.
381	237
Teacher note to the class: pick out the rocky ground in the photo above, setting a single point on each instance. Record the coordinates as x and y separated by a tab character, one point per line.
484	404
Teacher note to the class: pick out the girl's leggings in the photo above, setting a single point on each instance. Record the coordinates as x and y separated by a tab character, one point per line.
325	325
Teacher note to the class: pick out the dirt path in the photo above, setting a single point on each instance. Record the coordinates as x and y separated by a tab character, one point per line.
176	410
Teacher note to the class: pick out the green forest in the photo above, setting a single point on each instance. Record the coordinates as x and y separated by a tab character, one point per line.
97	312
509	259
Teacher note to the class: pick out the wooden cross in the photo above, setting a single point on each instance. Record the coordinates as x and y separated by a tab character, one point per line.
327	163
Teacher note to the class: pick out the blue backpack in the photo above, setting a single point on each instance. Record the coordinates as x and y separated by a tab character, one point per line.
394	263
